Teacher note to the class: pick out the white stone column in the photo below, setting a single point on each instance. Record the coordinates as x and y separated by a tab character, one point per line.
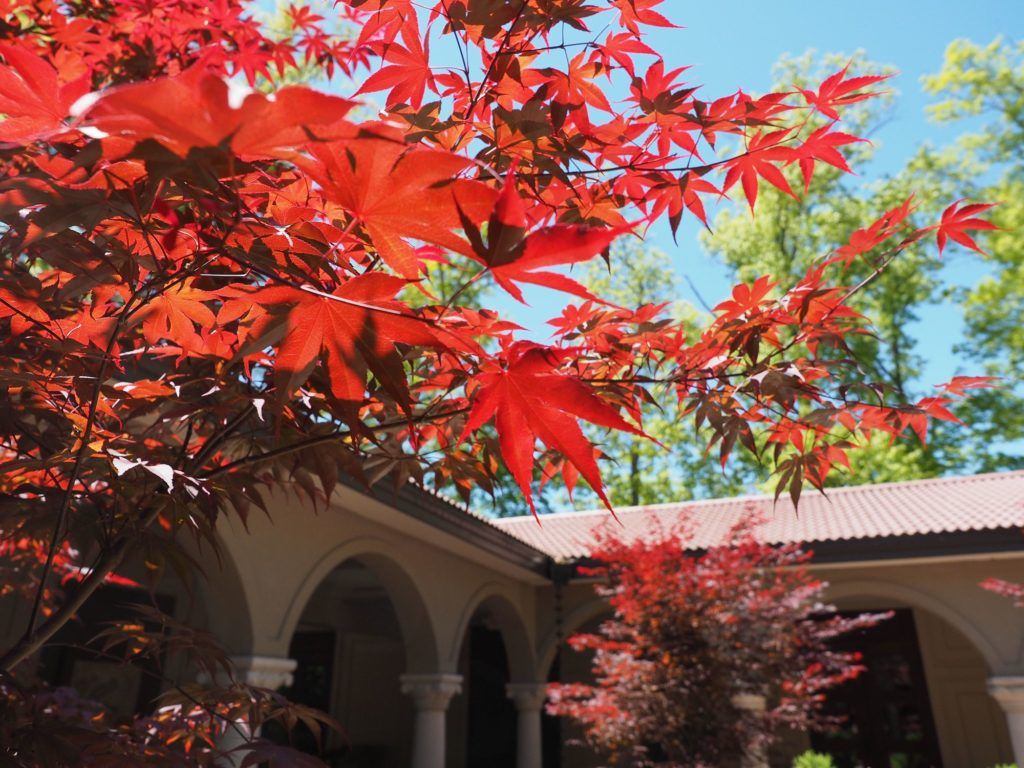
271	672
1009	692
529	700
430	695
755	704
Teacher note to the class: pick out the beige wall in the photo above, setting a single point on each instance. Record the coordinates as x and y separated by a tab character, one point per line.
971	726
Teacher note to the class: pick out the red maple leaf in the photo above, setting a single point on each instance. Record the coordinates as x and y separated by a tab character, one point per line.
959	385
512	255
822	145
530	400
619	46
575	86
957	220
172	316
253	124
746	298
840	91
760	160
357	326
397	192
408	72
866	238
633	13
33	96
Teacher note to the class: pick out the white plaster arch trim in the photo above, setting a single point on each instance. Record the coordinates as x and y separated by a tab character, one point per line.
419	633
916	598
504	608
222	590
572	621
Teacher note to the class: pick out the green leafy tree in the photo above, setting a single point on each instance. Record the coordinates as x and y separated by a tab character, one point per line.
985	83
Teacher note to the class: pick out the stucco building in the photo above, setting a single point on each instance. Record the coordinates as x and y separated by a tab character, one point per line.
430	632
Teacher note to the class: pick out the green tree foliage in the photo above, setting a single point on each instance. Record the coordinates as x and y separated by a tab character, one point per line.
983	85
813	760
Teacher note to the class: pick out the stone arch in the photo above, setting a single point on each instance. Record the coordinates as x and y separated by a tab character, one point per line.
915	598
575	619
419	633
227	607
508	620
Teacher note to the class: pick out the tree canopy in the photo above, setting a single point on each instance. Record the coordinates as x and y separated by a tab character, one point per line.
693	637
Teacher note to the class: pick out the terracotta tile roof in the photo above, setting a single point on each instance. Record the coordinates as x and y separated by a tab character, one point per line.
942	505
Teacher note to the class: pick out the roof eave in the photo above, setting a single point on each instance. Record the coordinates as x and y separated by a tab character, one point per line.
881	549
426	507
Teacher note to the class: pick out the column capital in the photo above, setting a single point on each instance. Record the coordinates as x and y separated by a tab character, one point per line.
431	691
750	702
271	672
528	697
1008	690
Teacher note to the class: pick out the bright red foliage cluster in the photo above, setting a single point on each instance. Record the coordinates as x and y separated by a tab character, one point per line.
207	289
695	640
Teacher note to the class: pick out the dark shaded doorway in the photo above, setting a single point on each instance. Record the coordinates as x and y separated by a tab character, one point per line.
311	686
887	713
563	739
551	726
491	737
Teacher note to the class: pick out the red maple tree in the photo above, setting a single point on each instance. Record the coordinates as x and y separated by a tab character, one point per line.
205	276
707	656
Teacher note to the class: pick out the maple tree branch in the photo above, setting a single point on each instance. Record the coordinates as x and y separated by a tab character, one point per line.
221	436
875	274
697	293
490	66
462	288
312	442
76	467
544	48
323	294
458	42
29	318
35	640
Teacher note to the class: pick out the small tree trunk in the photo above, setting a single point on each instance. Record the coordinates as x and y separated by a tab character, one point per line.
634	477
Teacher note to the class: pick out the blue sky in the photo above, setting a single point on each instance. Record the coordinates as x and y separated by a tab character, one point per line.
735	44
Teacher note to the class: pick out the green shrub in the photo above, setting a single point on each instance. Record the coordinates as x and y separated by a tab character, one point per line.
816	760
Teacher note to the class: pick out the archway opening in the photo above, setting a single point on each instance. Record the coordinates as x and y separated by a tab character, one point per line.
922	700
350	652
563	739
493	653
884	716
